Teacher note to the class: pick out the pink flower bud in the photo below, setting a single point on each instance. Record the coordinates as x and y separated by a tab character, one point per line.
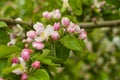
83	35
36	64
15	60
56	26
24	76
55	35
65	21
47	15
39	27
56	14
31	34
1	79
25	54
29	40
71	28
38	45
26	45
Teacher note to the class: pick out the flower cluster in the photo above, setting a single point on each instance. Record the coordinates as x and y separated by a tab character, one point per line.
53	14
41	34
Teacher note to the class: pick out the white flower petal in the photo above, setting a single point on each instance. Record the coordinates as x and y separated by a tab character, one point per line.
22	62
39	39
48	31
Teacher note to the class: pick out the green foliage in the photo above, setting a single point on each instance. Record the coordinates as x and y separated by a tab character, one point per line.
3	24
4	38
61	51
76	6
3	64
8	70
7	50
114	2
40	74
43	58
71	42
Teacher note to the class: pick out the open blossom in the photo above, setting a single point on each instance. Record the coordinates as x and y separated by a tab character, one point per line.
24	76
65	21
55	35
25	54
31	34
56	26
47	15
21	69
39	27
36	64
44	35
56	14
38	45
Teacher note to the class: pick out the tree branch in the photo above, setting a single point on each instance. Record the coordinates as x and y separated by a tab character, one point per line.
86	25
10	21
100	24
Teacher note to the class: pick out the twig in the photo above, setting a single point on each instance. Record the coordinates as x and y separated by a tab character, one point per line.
86	25
100	24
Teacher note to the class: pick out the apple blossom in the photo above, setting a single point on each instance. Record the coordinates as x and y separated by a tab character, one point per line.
36	65
21	69
25	54
44	35
65	21
56	14
29	39
56	26
71	28
38	45
55	35
39	27
24	76
31	34
83	35
15	60
47	15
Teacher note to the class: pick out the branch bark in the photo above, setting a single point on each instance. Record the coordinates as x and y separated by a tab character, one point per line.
10	21
100	24
86	25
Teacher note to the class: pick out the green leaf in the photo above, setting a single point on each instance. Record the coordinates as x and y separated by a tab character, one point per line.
57	60
3	24
4	38
3	64
43	58
114	2
40	74
76	6
7	50
61	51
71	42
48	61
45	53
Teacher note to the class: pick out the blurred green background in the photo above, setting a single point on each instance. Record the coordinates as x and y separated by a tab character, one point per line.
100	57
